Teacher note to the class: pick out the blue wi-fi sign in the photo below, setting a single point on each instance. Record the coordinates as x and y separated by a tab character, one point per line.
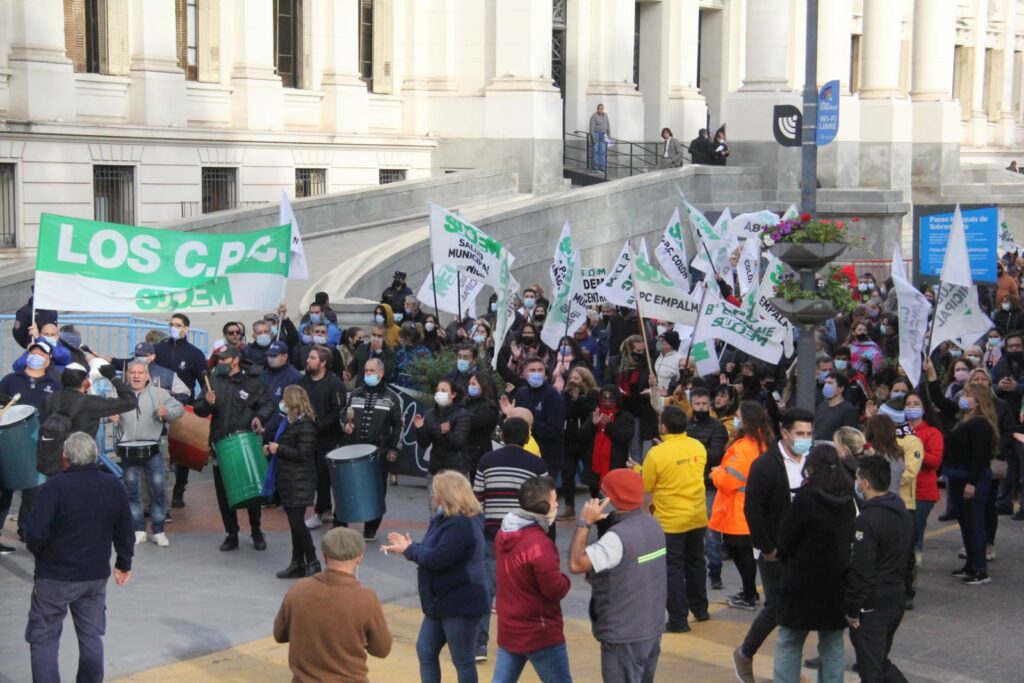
828	114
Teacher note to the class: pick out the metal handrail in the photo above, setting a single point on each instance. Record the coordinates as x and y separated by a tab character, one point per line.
623	158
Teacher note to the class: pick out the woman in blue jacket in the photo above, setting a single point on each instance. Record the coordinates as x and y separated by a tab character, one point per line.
450	574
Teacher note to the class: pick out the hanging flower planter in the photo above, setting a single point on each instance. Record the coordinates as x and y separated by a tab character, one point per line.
805	311
811	255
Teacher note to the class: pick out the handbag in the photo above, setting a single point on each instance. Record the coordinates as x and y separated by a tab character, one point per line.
1000	469
269	489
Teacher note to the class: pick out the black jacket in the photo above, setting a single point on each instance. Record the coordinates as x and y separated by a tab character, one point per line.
296	468
548	410
483	417
328	398
446	453
376	417
768	498
86	410
363	354
620	431
577	412
240	398
814	548
187	361
882	555
714	436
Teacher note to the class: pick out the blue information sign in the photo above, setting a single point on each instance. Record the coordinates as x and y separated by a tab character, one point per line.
981	227
828	114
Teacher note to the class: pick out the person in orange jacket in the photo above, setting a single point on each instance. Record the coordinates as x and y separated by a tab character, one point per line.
752	437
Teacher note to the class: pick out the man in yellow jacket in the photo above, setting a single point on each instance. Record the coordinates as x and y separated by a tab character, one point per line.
673	473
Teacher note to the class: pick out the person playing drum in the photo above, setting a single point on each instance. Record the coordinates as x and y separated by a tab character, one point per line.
237	401
138	435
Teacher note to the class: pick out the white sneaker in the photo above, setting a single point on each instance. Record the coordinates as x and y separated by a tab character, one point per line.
314	522
161	539
140	537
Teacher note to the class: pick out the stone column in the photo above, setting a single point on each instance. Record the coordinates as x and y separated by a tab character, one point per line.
256	98
768	44
687	109
345	99
880	73
157	93
42	84
937	126
611	69
976	130
835	23
1007	121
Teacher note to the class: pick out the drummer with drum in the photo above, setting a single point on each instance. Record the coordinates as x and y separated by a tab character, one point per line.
32	384
138	436
237	401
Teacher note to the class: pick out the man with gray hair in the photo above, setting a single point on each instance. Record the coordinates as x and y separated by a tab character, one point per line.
138	437
330	620
72	552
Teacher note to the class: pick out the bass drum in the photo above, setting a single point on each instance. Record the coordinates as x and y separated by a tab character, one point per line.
19	437
357	483
188	440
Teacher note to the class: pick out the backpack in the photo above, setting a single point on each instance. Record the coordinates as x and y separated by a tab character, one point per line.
52	434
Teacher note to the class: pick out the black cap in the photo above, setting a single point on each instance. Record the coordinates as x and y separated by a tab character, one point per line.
144	349
671	338
399	275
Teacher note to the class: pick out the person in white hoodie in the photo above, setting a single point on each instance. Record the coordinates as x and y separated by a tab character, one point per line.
138	438
666	365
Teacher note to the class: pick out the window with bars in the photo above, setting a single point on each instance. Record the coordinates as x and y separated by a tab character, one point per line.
187	29
310	182
220	189
288	41
8	215
366	42
390	175
113	189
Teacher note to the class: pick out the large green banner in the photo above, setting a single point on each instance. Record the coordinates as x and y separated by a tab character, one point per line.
85	265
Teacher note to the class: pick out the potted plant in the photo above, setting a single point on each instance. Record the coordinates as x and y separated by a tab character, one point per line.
805	242
817	305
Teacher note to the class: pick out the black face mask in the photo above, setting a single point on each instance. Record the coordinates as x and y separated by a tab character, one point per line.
1014	355
396	284
539	317
862	337
701	415
529	341
638	356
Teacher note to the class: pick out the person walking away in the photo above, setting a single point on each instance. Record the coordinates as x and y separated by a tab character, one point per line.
374	416
330	621
450	575
628	578
236	402
753	435
327	396
294	446
496	484
699	148
530	588
814	549
72	553
710	432
879	563
671	151
673	473
155	408
600	132
774	475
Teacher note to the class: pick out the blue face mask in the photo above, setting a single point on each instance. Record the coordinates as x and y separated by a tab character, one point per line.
736	424
314	318
379	319
306	339
283	408
535	379
828	391
494	307
898	394
371	380
822	376
174	332
463	365
35	362
473	390
479	338
955	353
398	317
273	330
802	446
262	340
566	350
914	413
841	364
963	403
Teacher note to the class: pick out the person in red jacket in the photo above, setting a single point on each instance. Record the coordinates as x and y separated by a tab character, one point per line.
925	422
530	587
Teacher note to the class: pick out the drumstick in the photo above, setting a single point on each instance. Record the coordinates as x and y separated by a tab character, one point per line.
206	378
14	399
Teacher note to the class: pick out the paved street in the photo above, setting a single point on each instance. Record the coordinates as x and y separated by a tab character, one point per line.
194	614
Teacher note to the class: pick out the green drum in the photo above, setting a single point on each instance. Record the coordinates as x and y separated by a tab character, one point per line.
19	434
243	467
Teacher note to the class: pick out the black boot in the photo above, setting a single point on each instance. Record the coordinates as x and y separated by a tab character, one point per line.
258	541
230	543
313	568
294	571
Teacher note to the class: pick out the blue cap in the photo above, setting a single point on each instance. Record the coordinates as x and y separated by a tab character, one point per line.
277	348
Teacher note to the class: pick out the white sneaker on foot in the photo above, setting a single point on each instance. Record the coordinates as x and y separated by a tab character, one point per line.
314	522
140	537
161	539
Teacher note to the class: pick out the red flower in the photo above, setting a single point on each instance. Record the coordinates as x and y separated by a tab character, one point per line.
805	216
855	219
840	225
825	221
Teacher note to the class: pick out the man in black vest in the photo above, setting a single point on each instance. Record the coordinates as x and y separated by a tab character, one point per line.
628	580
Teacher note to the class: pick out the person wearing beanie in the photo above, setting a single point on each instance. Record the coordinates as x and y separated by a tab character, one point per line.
835	411
666	365
626	568
330	620
912	447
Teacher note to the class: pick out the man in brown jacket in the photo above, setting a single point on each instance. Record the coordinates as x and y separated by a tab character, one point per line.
331	620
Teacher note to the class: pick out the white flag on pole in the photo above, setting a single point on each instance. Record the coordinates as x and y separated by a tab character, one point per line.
721	320
642	251
458	243
762	301
299	269
659	296
958	315
507	289
617	287
956	265
569	311
445	283
792	213
914	308
749	265
671	253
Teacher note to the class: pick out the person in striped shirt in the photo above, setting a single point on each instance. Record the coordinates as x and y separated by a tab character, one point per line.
499	476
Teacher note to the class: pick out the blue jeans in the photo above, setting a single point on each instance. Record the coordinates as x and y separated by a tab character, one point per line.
490	580
154	468
50	602
924	508
551	665
599	160
713	541
460	635
971	515
789	647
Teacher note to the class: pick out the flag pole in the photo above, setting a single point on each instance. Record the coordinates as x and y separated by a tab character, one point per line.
433	289
931	328
458	294
696	325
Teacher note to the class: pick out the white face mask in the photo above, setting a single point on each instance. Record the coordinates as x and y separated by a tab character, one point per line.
442	398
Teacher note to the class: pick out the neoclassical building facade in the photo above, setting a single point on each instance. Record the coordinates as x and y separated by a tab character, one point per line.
146	111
